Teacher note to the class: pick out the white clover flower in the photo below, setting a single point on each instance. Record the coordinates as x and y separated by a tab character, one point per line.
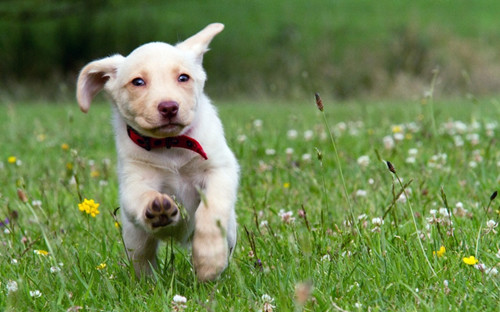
289	151
458	141
270	151
55	269
399	136
241	138
267	298
361	193
308	135
433	212
377	221
257	123
36	203
14	261
364	161
306	157
11	287
371	181
35	293
292	134
444	212
473	138
362	216
410	160
413	152
286	216
492	271
388	142
491	224
472	164
325	258
179	299
263	223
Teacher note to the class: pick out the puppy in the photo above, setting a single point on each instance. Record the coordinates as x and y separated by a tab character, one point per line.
178	178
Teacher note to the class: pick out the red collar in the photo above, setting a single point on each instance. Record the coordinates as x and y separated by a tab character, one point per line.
182	141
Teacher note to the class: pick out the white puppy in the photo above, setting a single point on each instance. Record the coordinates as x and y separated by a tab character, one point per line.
171	150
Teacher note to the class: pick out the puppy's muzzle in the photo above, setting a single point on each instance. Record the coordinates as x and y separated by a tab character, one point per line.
168	109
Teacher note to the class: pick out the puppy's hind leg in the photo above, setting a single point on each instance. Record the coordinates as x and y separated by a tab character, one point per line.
141	248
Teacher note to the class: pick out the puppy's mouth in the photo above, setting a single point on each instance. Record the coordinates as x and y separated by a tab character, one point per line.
160	130
166	130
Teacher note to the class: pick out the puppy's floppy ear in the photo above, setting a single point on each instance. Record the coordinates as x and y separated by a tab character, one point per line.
93	77
199	42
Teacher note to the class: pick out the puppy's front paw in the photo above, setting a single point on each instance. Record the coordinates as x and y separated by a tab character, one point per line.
210	254
161	211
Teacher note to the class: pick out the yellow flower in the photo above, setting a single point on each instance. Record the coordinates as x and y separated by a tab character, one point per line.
117	225
69	166
12	159
65	146
286	185
41	252
94	174
90	207
470	261
440	252
397	129
101	266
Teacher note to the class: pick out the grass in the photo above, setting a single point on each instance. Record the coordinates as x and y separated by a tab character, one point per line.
298	243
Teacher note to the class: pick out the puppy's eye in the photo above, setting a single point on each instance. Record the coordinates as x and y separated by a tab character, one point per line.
183	78
138	82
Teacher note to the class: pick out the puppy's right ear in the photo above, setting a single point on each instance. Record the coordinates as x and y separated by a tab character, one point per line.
93	77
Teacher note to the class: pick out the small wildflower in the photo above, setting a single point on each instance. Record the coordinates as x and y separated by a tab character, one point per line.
361	193
286	185
292	134
40	252
36	203
35	293
289	151
470	260
306	157
55	269
241	138
90	207
267	306
11	287
12	159
65	146
388	142
270	151
257	123
95	173
14	261
440	252
492	271
364	161
286	216
308	135
117	225
101	266
377	221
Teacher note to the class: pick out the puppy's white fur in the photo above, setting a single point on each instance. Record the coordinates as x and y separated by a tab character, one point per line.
205	188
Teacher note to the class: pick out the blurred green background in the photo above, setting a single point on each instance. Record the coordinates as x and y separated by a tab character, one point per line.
278	49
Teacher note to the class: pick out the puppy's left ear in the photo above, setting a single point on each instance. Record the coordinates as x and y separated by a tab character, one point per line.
198	43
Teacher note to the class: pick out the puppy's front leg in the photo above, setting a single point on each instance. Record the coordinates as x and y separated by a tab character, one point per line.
145	212
215	225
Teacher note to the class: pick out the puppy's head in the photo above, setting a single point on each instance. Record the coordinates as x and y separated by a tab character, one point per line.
156	87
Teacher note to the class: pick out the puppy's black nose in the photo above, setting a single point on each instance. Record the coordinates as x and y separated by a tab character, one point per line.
168	109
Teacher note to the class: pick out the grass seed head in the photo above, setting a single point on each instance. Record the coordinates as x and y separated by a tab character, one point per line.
391	167
494	195
319	102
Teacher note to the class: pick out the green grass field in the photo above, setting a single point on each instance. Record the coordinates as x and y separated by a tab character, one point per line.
315	234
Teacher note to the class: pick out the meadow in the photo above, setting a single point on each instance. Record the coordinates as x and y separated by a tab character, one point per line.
325	222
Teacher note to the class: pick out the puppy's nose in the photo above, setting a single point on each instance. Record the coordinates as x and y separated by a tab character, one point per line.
168	109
